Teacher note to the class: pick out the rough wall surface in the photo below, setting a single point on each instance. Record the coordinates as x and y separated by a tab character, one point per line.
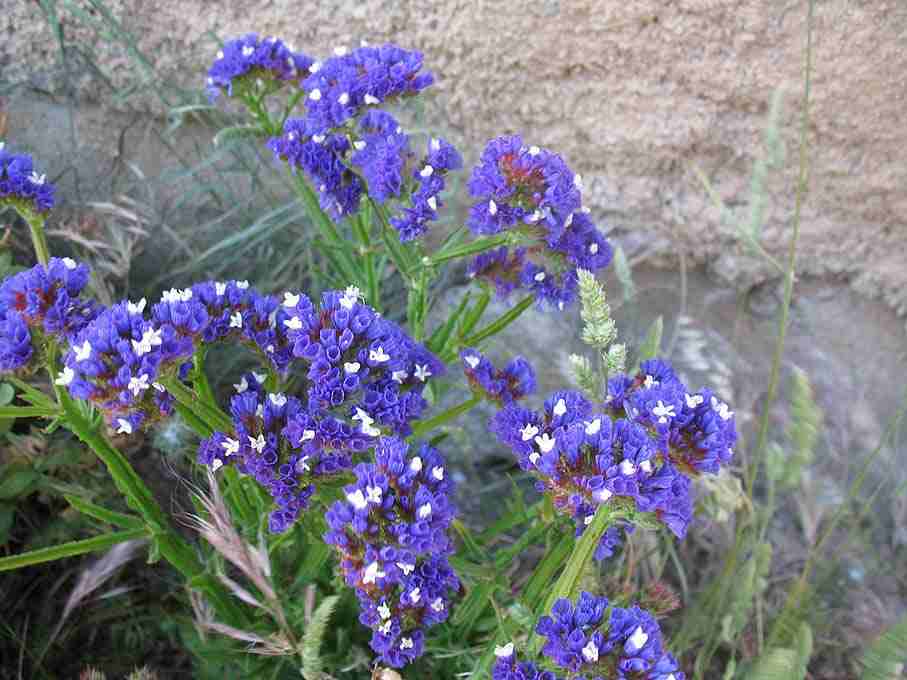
634	94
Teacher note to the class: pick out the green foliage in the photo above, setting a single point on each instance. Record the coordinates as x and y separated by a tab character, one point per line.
784	663
886	657
802	435
312	664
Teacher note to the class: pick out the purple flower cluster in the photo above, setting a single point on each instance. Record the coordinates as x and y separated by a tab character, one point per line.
45	299
21	185
531	190
696	431
583	460
249	57
338	89
392	535
360	364
283	446
114	362
428	177
595	642
503	386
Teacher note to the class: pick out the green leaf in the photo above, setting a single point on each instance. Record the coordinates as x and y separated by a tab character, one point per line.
63	550
471	607
7	394
7	515
314	634
782	663
18	481
28	412
501	322
478	246
103	514
650	346
544	572
887	654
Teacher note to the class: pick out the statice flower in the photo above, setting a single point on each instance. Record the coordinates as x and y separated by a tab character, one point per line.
507	666
610	542
276	441
695	430
251	59
321	157
360	364
381	153
338	89
45	300
502	267
503	386
428	185
391	531
532	191
114	362
583	460
21	186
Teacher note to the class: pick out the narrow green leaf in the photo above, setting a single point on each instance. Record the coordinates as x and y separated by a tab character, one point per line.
650	345
438	339
544	572
471	607
886	654
110	516
28	412
58	552
478	246
501	322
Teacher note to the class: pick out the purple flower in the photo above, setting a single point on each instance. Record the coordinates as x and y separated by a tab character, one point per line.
532	191
249	57
21	186
504	386
501	267
381	153
391	531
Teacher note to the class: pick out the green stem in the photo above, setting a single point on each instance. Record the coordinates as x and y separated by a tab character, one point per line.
39	240
29	412
500	323
477	246
70	549
425	426
213	416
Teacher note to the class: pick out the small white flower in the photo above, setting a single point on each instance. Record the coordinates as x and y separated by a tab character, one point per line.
269	349
363	416
638	639
646	466
588	519
528	431
241	386
560	408
407	569
593	248
302	466
425	511
315	95
220	288
723	412
649	382
216	464
492	207
415	464
220	54
406	643
70	264
357	499
260	411
568	221
340	51
315	67
627	467
351	367
372	573
158	387
236	320
535	457
504	652
560	305
539	277
136	307
359	144
373	494
534	217
230	446
83	352
593	427
438	605
125	427
602	495
578	182
472	360
278	399
137	385
290	299
437	472
399	376
432	202
350	297
259	377
248	51
344	99
426	171
693	400
545	442
257	443
534	151
422	372
293	323
307	435
242	285
65	376
378	355
318	139
385	628
384	611
415	595
35	178
590	652
585	210
371	99
663	412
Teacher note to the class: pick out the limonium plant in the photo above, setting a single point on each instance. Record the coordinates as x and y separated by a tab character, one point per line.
339	426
